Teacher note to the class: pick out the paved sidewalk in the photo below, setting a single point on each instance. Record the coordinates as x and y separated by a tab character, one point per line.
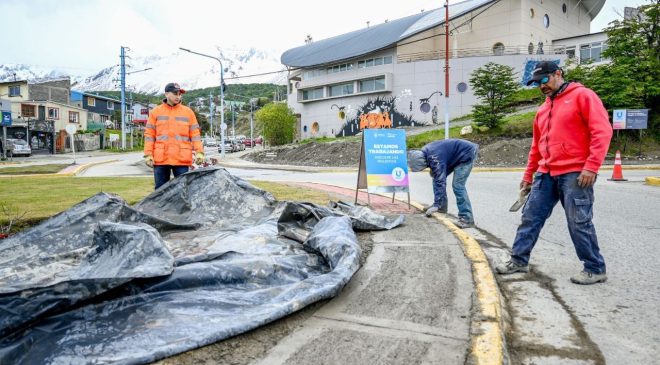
415	301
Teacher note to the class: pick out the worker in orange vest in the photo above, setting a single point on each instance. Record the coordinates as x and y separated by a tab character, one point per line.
170	136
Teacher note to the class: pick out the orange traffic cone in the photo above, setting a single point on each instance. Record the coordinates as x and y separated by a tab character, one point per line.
617	172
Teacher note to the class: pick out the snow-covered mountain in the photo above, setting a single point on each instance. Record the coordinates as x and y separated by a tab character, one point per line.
189	70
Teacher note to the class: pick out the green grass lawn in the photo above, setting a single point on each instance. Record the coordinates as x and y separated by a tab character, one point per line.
35	198
36	169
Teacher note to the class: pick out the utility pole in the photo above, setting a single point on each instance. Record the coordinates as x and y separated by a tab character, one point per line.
122	56
233	122
251	123
211	113
446	69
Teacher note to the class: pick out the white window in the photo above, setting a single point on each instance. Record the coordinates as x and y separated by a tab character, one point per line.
111	105
74	117
15	90
53	113
313	94
341	89
91	101
387	60
374	84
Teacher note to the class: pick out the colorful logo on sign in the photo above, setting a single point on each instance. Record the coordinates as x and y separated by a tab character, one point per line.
619	119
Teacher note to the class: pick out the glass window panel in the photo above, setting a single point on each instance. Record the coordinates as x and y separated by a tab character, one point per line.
361	64
366	85
378	61
585	53
387	60
342	68
370	62
379	83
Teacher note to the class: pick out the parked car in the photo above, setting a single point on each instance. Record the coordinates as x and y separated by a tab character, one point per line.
210	142
229	147
252	142
238	145
18	147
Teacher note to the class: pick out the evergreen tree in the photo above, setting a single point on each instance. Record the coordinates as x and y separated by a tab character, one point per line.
494	85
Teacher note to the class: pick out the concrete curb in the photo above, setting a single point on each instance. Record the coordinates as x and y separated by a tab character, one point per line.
652	180
604	167
487	340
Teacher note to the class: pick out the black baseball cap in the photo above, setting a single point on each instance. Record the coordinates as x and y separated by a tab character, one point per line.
542	69
173	87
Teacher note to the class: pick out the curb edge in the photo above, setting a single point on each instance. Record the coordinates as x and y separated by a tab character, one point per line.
487	340
652	180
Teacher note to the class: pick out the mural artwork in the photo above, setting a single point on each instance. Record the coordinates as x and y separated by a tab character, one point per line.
380	112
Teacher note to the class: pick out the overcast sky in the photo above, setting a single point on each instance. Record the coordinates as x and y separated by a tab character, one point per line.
83	36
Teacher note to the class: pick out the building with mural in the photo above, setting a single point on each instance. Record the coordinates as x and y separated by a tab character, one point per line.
395	70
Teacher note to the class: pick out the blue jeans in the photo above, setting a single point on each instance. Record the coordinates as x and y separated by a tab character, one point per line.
461	174
577	203
162	173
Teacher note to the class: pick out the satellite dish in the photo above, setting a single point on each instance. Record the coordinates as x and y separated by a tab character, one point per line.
71	129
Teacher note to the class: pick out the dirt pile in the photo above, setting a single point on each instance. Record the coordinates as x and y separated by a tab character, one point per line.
505	153
493	152
338	153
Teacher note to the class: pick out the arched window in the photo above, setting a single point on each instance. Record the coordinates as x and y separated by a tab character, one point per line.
546	21
530	48
305	129
498	49
315	128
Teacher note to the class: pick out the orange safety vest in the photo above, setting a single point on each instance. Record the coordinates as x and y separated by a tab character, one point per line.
171	135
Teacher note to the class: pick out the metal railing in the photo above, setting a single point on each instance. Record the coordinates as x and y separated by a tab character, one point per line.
481	52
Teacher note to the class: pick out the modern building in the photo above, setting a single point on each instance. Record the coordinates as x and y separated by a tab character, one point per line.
392	74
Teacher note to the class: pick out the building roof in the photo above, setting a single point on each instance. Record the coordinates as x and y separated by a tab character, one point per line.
77	95
374	38
382	36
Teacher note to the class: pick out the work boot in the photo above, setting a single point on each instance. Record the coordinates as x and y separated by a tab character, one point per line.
588	278
511	267
464	223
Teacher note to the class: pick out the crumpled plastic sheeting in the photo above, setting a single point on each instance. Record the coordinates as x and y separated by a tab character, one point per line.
225	271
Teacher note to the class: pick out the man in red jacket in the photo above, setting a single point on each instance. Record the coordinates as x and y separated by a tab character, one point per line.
572	134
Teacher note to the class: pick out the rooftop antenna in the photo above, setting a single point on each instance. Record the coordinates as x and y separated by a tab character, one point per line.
367	24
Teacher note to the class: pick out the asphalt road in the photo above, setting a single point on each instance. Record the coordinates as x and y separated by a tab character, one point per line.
621	317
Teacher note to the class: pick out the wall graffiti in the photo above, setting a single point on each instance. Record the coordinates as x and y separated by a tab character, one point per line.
385	114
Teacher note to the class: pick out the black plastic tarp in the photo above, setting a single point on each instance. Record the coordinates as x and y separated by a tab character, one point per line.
204	258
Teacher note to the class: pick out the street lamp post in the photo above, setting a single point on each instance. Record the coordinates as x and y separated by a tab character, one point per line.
123	99
222	99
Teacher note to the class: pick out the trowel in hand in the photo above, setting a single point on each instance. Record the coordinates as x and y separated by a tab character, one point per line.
522	198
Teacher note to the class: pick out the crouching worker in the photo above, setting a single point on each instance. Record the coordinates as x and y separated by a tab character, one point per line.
170	136
444	157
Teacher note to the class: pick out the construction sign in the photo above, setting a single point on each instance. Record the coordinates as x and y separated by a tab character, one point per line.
383	161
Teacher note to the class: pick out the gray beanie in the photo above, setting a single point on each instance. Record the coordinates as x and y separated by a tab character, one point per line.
417	160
